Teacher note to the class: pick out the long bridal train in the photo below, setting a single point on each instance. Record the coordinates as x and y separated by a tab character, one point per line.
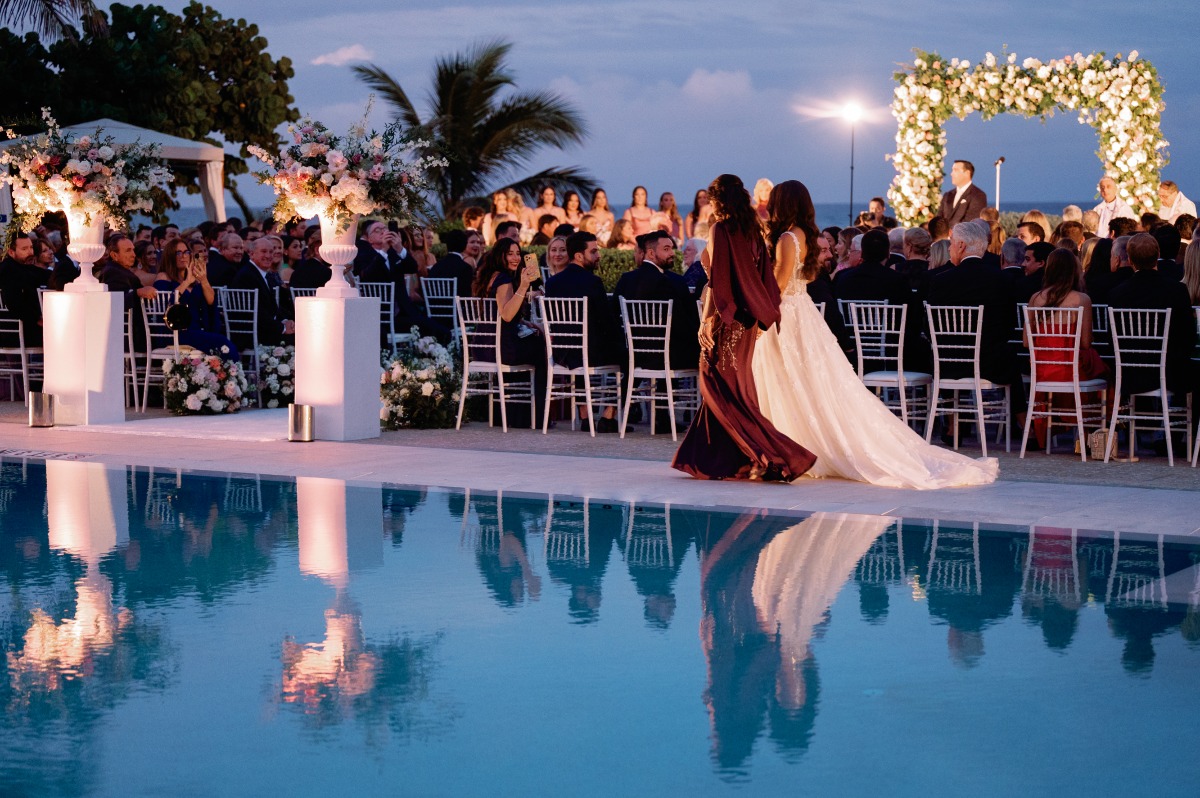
808	390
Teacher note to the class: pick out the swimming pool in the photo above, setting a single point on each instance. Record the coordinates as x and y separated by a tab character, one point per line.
189	634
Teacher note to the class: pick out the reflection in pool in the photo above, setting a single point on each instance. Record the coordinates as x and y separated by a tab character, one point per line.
214	634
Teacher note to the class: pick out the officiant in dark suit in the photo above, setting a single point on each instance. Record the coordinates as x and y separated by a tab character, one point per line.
965	201
382	258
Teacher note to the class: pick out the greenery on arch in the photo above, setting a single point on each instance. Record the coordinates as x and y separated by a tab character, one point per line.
1120	97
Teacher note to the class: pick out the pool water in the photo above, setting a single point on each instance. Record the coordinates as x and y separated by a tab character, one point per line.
171	633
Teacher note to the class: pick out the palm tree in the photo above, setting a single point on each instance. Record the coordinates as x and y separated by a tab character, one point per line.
53	19
482	135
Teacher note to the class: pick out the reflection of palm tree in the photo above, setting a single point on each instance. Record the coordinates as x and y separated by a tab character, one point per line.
766	585
480	134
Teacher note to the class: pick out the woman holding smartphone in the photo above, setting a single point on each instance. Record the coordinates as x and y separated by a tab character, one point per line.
508	279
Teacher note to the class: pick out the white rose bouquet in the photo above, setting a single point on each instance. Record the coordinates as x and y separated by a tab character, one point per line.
276	375
198	384
420	387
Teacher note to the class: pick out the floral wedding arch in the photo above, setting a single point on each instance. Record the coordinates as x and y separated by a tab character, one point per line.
1120	97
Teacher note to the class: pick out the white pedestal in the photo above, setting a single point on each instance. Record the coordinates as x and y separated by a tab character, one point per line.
84	356
337	365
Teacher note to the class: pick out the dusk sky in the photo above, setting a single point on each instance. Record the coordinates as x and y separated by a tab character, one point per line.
676	92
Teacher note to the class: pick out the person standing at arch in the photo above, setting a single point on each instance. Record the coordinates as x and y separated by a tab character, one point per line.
964	202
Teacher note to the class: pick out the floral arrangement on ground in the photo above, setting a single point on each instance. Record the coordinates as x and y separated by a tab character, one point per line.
1120	97
200	384
276	375
320	174
420	387
88	175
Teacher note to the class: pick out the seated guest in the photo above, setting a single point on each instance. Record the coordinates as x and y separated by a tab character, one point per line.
939	258
1119	262
915	268
146	265
227	260
509	229
606	339
1058	291
545	230
1122	226
507	279
20	278
1090	221
271	324
1191	274
1072	213
1012	266
1097	270
454	264
472	217
872	279
969	282
1168	239
895	247
693	269
939	229
1038	218
1035	269
1149	288
473	254
1031	232
556	254
119	276
190	279
622	235
654	279
383	259
313	271
821	290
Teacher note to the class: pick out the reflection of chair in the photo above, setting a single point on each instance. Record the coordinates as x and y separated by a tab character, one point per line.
1137	572
955	333
648	339
477	318
567	528
1054	335
242	495
954	560
484	535
879	338
566	326
648	537
160	488
883	564
1139	340
1051	566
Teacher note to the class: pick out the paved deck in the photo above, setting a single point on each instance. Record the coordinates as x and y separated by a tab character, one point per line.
1146	497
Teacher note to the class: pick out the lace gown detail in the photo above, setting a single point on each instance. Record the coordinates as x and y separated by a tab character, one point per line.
809	391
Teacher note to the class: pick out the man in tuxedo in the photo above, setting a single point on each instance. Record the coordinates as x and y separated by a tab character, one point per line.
872	279
970	282
382	258
1149	288
509	229
606	341
964	202
272	327
454	264
1168	239
227	259
653	279
20	278
118	275
1012	265
1111	207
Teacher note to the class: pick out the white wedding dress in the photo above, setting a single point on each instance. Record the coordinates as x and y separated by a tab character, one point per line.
809	391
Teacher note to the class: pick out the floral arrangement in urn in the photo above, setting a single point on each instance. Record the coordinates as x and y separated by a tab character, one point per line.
276	375
1120	97
85	176
320	174
199	384
419	388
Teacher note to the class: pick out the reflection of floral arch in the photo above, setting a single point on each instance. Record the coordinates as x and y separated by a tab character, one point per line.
1121	98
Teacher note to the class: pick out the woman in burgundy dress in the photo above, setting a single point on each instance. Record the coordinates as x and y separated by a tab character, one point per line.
730	438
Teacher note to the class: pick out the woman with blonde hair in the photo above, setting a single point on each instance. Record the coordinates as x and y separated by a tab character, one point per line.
668	209
998	237
939	254
1039	218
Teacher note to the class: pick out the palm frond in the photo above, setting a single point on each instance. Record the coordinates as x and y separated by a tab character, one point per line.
383	83
562	179
50	19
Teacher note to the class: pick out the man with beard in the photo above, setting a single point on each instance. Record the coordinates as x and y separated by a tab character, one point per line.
20	278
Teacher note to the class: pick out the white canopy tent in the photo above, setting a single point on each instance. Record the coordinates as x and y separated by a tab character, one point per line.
208	157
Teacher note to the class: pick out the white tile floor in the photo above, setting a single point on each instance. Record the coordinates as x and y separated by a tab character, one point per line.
257	442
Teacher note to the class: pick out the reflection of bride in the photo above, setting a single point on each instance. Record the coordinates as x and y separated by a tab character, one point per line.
766	585
810	393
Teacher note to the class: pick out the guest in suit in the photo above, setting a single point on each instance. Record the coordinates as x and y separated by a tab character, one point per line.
225	262
1036	255
969	282
383	259
1012	266
20	279
1169	240
313	272
915	268
577	279
1149	288
119	276
964	202
272	326
454	263
653	279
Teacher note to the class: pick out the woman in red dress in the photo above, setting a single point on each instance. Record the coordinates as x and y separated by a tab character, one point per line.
729	437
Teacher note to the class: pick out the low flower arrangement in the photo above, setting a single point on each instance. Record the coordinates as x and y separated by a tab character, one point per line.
198	384
420	387
276	375
320	174
88	175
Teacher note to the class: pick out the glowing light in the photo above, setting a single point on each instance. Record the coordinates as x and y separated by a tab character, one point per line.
852	112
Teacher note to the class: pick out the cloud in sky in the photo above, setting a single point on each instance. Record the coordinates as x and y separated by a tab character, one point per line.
343	56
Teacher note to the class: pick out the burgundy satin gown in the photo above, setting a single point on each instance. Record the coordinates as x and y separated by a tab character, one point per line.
729	438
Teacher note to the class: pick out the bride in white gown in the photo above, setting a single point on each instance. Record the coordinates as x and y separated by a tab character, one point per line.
809	391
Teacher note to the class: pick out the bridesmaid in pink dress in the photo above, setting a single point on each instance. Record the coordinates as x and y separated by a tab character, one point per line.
639	215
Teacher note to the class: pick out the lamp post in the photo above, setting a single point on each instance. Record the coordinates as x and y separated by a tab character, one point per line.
852	113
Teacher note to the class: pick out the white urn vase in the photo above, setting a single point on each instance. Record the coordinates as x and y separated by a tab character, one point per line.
86	247
338	249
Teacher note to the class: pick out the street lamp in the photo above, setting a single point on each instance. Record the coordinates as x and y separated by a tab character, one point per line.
851	112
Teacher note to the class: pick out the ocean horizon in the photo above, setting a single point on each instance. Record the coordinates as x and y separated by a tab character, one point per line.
828	213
